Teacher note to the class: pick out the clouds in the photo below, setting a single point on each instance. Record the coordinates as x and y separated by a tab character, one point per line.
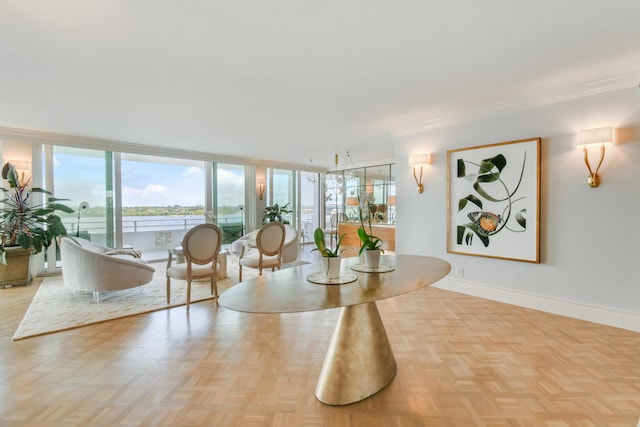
192	171
156	182
230	190
150	195
152	189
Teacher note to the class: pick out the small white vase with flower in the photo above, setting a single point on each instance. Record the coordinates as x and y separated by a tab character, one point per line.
371	245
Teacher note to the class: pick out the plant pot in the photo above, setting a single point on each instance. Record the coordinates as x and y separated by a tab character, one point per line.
371	258
331	266
18	268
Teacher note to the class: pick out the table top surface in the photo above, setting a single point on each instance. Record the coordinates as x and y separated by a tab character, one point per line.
289	291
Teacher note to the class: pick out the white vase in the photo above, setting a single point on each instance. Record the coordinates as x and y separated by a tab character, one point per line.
331	266
371	258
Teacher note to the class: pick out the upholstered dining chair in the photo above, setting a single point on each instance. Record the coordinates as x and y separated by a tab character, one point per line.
269	241
201	246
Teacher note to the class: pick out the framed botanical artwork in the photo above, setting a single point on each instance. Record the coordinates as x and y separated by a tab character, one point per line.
493	200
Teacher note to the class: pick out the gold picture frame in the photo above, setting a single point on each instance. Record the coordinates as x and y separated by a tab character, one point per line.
493	200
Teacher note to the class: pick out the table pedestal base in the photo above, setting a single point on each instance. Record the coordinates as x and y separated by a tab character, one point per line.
359	362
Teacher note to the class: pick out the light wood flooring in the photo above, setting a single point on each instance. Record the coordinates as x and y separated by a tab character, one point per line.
462	361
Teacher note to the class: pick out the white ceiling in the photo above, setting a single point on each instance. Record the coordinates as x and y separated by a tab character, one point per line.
294	80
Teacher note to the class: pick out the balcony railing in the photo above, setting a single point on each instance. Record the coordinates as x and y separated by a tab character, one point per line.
139	224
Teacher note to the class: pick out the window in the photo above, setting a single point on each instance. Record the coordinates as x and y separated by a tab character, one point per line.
148	202
161	192
283	192
85	176
229	201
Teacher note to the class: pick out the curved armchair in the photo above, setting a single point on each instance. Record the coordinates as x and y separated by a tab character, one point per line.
291	245
290	249
201	246
269	241
87	266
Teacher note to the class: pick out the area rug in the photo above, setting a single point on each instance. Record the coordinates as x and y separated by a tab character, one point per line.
56	308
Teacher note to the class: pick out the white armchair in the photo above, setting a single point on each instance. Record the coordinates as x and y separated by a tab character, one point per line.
291	247
269	242
201	248
290	250
87	266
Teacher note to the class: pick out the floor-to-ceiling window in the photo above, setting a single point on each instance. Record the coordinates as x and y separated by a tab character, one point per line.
84	177
148	202
229	200
283	192
161	198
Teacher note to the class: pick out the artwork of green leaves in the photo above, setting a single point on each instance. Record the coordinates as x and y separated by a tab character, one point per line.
493	190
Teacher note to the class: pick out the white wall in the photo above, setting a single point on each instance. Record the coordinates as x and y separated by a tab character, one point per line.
589	237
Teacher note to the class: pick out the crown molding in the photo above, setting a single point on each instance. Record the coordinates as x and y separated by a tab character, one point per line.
580	90
51	138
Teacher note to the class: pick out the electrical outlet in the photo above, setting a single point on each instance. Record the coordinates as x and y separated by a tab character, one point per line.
460	272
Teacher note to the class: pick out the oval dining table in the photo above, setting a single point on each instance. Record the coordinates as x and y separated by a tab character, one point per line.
359	361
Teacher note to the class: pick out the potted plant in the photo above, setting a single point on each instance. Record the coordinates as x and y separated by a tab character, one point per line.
330	257
25	229
276	213
371	245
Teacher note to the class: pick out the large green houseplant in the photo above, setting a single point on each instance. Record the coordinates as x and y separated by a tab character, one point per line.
29	226
276	213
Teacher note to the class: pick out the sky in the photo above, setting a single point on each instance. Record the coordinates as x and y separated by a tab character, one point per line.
82	178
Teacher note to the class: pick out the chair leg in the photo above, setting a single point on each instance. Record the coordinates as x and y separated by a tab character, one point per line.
188	293
240	273
168	289
214	288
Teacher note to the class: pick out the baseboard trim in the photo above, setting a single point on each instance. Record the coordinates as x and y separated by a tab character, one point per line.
590	312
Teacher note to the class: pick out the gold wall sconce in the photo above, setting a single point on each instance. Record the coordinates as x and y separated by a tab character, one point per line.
260	187
417	162
600	137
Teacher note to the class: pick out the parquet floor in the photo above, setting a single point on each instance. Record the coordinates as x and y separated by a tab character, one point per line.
462	361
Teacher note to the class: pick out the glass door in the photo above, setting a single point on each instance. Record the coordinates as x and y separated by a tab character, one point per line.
161	198
283	191
84	177
229	201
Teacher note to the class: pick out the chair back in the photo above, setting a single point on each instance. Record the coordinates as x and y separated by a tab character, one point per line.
202	243
270	238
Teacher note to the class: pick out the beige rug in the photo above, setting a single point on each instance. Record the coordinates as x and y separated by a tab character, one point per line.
56	308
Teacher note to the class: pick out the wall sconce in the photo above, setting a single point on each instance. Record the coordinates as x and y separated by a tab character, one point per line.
595	137
260	186
418	161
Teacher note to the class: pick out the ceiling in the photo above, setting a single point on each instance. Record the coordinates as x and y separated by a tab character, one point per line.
295	81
